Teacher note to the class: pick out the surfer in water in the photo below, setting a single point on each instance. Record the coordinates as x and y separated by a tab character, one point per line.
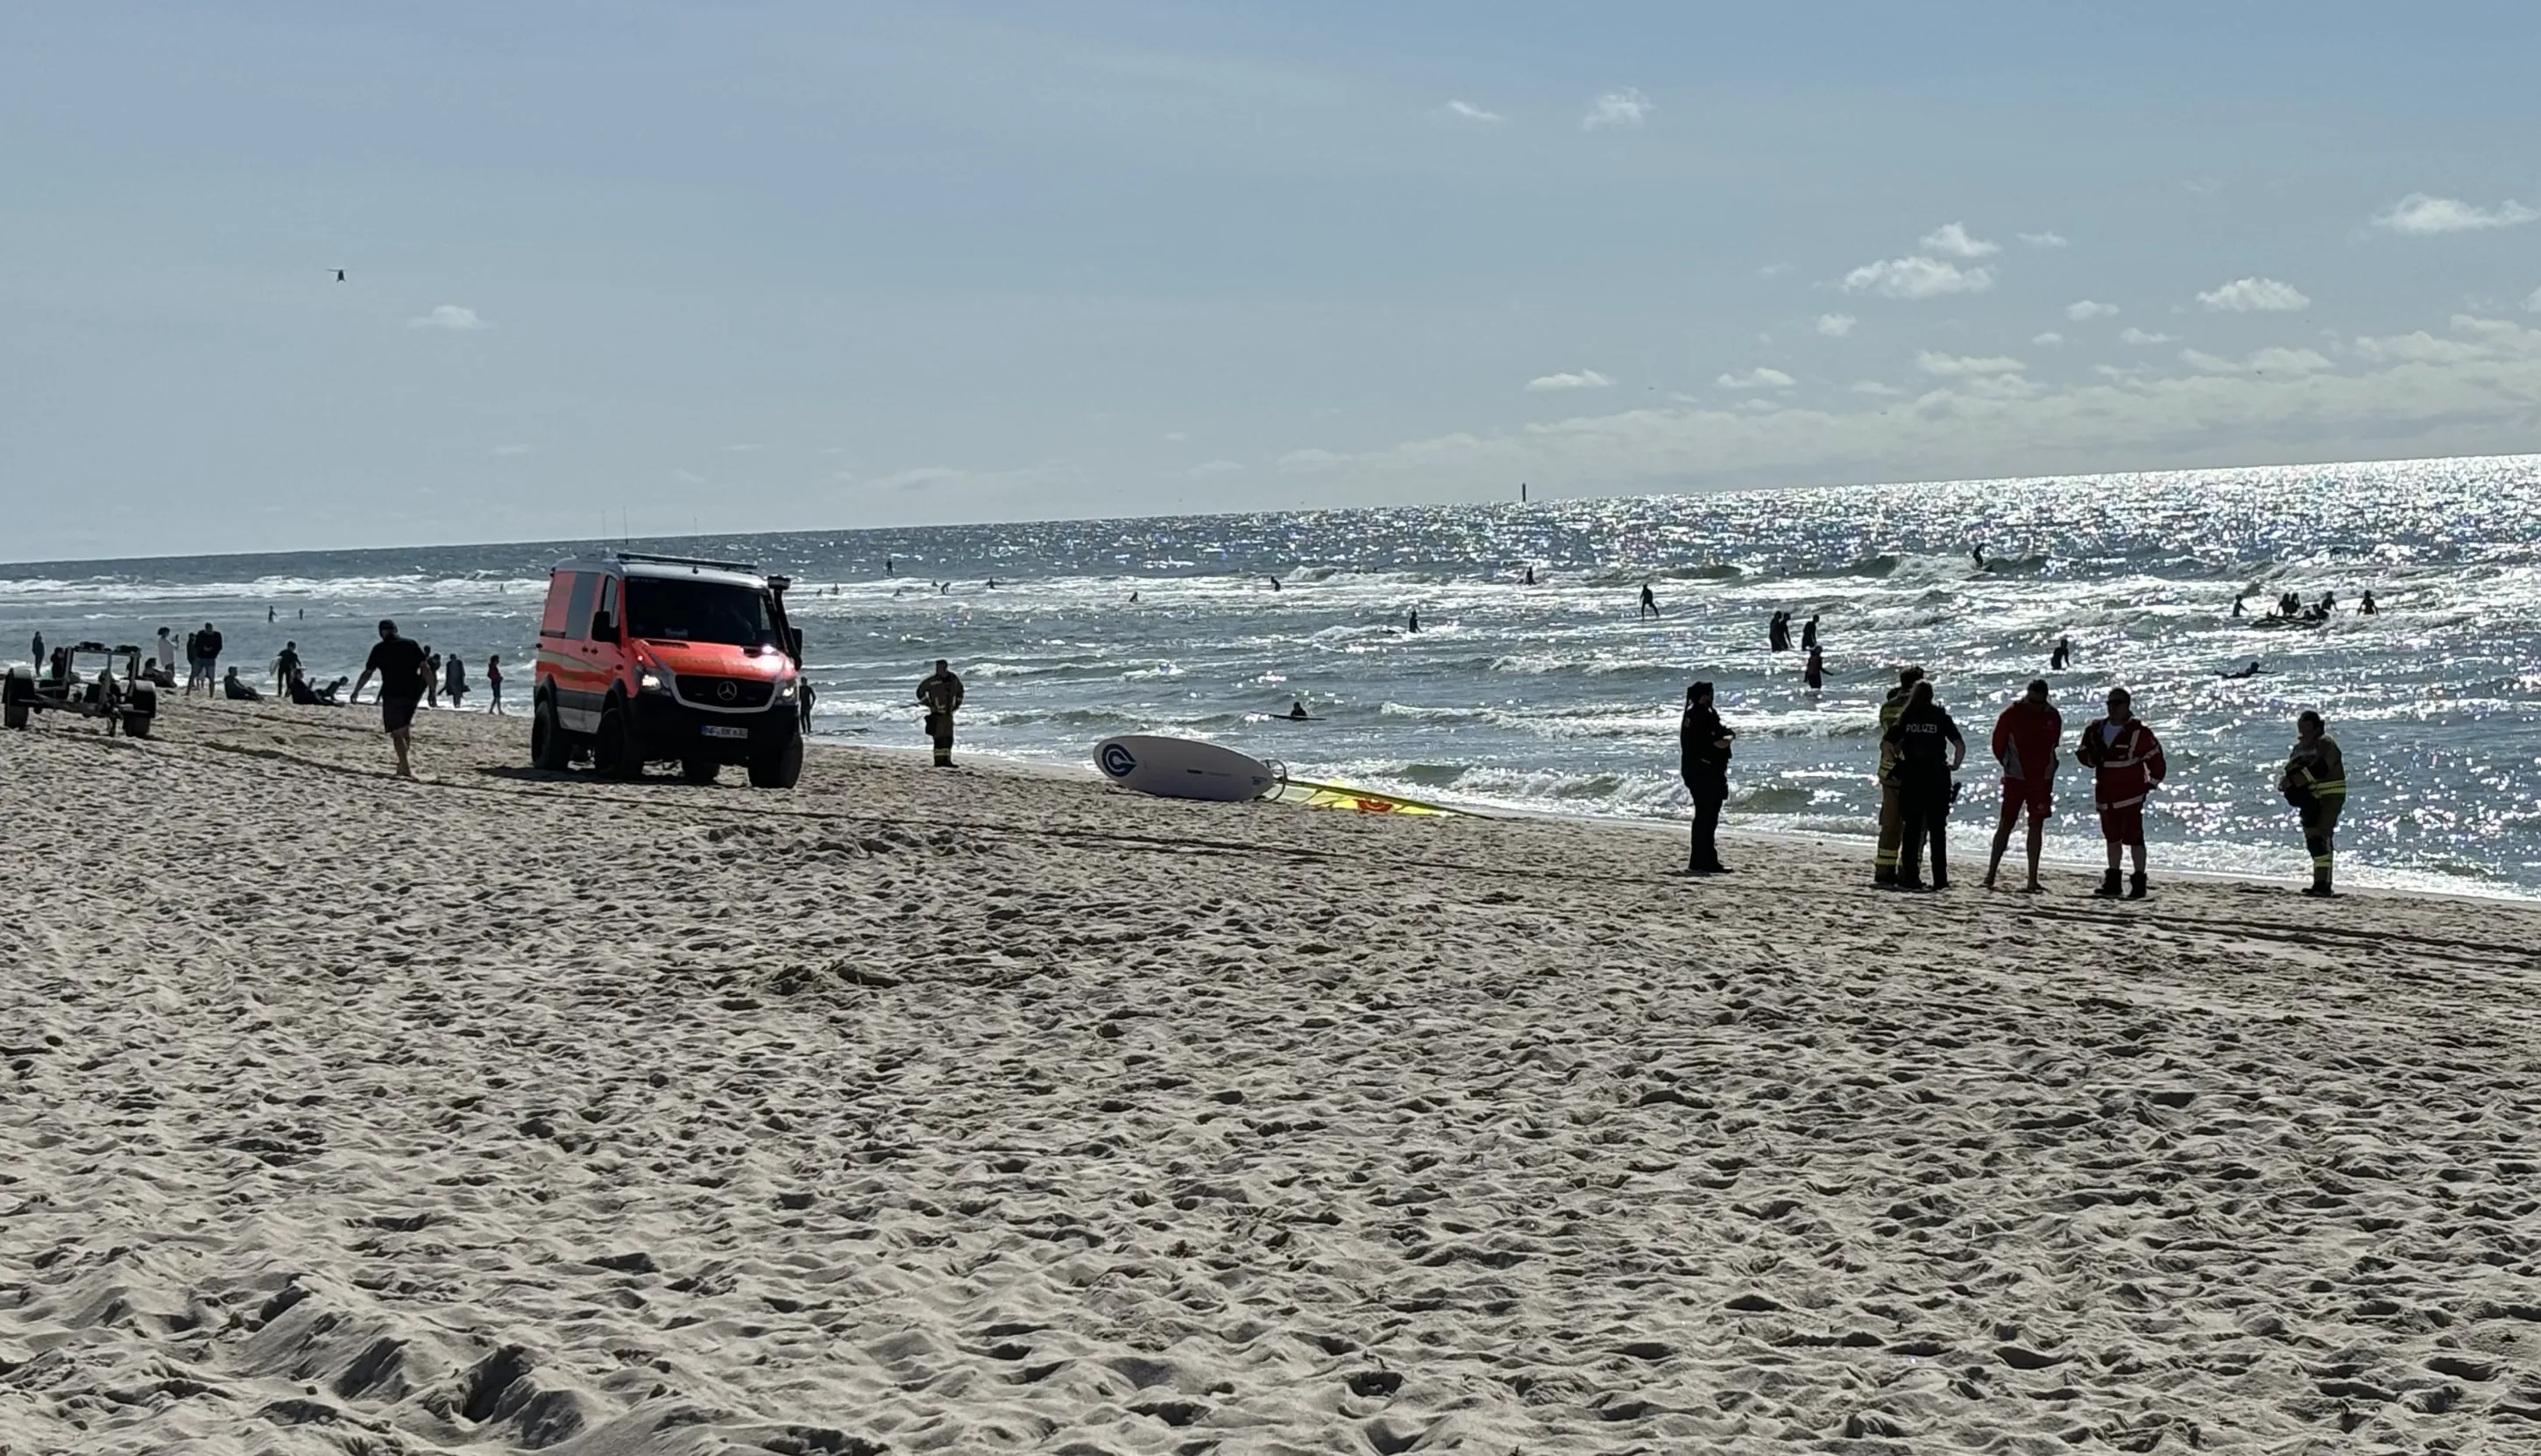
1977	554
1275	583
1815	673
2252	671
2064	654
941	696
1412	623
1530	580
1650	602
1809	634
2366	608
1778	632
1297	711
2238	609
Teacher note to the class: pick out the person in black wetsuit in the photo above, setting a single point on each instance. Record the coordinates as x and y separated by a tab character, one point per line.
1815	673
1703	746
1650	602
1929	750
1809	634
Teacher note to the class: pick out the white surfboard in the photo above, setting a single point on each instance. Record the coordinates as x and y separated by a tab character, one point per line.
1183	769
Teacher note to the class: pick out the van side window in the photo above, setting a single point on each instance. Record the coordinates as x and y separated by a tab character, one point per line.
557	623
577	612
608	599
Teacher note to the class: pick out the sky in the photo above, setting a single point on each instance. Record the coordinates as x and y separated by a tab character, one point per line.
797	266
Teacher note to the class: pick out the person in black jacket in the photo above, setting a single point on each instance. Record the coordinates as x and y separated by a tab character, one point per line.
1928	750
1704	761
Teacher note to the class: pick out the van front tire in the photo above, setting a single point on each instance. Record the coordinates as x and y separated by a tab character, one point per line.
613	747
700	771
779	766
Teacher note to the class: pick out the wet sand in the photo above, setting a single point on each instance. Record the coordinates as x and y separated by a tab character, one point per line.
985	1110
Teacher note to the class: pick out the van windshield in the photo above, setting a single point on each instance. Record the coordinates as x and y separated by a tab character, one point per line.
669	609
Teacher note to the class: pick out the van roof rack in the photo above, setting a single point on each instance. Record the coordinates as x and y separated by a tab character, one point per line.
746	566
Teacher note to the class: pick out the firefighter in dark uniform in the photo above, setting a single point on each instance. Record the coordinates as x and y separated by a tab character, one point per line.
941	694
1892	810
2315	783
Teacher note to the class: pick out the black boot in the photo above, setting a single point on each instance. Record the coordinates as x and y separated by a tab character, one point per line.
2136	886
2108	888
2320	885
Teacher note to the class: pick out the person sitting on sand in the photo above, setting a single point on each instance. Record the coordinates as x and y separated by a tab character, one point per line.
238	692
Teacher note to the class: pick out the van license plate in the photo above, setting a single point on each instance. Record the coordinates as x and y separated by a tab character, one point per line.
717	730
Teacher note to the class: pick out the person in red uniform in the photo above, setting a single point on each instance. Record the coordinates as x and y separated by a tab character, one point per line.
2125	763
2025	739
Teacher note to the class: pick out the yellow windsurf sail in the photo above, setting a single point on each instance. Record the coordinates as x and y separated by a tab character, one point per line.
1365	801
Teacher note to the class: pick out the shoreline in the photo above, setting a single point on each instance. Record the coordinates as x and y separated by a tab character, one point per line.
1978	835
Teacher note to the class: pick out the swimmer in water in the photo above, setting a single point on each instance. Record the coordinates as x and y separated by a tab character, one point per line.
2252	671
1297	710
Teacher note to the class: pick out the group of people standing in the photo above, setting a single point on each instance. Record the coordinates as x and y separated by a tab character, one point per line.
1922	748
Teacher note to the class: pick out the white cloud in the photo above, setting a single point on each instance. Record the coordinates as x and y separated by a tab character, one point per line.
1471	112
2086	311
2044	240
1837	326
2421	215
1758	378
2532	301
1626	106
2048	339
2264	361
1585	379
1961	366
1773	270
1916	277
1308	459
1953	238
2473	387
2255	296
2139	336
449	316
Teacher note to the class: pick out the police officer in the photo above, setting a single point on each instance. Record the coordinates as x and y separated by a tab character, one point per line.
2315	783
1892	819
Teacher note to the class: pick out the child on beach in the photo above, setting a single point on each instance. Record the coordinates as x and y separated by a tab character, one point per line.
494	684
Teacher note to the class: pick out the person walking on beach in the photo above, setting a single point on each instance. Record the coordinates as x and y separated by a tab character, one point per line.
1649	604
1928	750
495	685
453	685
38	649
941	695
2026	739
2315	783
1703	752
2126	764
1891	820
403	675
431	677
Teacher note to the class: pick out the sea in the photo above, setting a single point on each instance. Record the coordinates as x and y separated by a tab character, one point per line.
1561	696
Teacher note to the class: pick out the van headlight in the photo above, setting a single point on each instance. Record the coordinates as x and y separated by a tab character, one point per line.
785	689
653	679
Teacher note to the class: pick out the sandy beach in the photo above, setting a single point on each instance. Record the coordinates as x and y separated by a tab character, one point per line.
977	1110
